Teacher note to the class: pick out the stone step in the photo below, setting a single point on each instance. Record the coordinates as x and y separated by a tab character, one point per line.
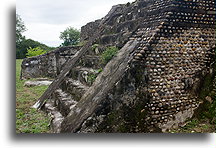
56	116
74	87
63	101
84	74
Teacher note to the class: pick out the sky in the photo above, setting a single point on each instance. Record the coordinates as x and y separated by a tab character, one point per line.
45	19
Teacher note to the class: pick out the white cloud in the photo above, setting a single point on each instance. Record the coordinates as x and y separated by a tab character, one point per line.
45	19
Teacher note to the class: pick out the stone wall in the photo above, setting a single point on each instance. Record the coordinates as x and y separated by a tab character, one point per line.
173	66
47	65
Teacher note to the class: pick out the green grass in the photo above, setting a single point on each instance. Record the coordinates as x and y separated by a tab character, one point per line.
196	126
29	120
191	124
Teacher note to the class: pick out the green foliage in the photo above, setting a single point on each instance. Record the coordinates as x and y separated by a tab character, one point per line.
94	46
34	52
70	36
208	83
27	43
23	44
108	54
192	124
209	112
20	28
29	120
99	70
91	77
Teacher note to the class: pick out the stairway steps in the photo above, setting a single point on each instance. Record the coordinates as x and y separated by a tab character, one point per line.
56	116
74	87
63	101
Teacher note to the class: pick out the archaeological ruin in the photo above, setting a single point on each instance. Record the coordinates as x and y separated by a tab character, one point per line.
165	50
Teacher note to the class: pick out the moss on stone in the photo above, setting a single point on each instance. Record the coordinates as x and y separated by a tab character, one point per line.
207	86
126	119
207	109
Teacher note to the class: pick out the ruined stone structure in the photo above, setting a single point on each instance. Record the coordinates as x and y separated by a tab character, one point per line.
166	48
47	65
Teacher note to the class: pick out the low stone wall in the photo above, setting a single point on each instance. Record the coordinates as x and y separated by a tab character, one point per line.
47	65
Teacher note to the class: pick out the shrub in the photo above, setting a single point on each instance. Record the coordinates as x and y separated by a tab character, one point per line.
108	54
91	77
34	52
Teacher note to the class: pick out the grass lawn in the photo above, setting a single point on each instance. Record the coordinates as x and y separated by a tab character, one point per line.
29	120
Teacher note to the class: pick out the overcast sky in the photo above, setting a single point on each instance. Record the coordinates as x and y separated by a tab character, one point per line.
45	19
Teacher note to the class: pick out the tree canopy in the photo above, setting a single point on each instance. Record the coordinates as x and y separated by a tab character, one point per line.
20	28
70	36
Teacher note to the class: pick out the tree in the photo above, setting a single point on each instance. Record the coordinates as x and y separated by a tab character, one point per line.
22	44
70	36
20	28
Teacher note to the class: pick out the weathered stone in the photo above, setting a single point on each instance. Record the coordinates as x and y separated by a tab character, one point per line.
209	99
37	83
47	65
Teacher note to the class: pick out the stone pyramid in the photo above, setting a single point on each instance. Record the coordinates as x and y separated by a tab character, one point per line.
166	48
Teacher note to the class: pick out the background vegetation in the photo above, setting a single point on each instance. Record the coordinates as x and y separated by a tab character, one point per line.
22	44
29	120
21	48
70	36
